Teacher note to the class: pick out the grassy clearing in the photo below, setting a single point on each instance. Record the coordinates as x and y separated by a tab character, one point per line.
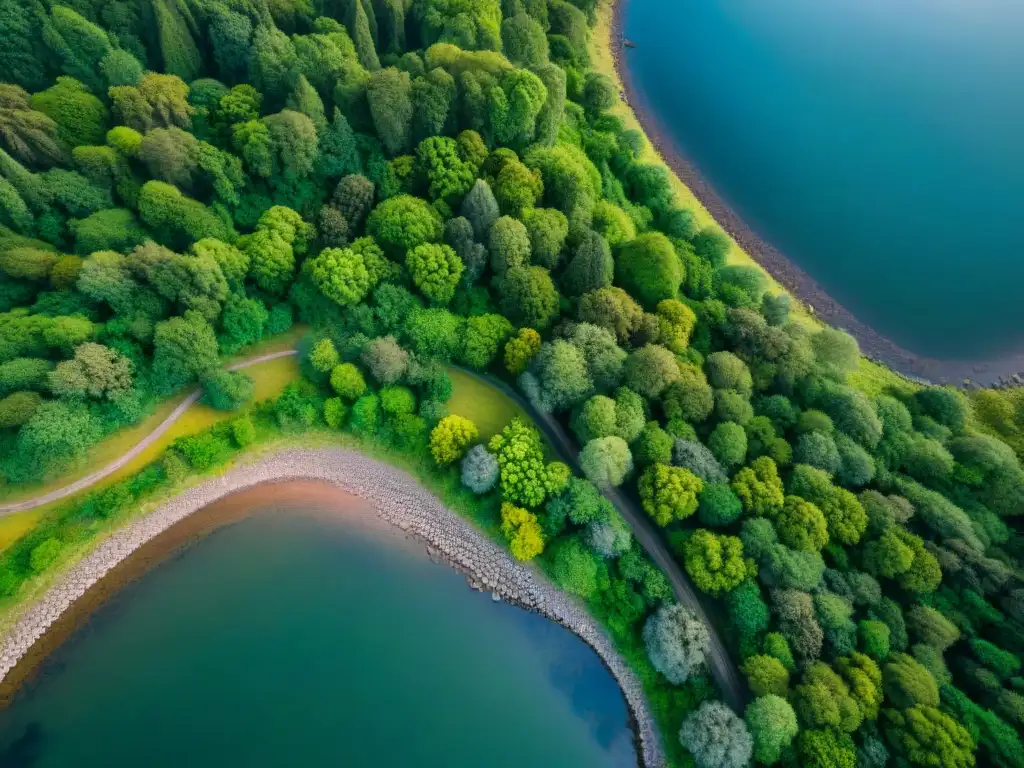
482	404
270	378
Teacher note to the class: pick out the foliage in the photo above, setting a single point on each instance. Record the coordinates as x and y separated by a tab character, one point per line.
522	531
716	737
676	641
669	493
451	437
715	562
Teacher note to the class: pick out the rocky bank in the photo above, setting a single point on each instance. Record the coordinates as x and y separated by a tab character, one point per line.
399	500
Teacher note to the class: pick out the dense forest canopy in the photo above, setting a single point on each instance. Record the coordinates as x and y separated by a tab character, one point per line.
441	181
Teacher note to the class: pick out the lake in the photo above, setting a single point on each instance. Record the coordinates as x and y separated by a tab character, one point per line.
875	142
295	637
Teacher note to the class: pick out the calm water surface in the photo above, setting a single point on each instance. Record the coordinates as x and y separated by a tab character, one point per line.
296	640
875	142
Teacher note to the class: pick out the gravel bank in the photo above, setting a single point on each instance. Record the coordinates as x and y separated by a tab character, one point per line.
398	499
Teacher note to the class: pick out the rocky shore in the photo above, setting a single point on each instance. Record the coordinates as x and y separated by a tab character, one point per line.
399	500
1005	371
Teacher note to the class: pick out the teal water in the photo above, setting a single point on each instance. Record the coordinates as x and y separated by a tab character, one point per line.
294	640
877	143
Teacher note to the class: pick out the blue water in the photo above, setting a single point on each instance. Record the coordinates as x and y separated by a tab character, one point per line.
290	640
878	143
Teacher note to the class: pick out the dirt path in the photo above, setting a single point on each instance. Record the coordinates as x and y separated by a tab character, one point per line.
95	477
724	669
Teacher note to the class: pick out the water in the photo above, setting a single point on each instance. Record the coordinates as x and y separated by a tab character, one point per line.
875	142
293	640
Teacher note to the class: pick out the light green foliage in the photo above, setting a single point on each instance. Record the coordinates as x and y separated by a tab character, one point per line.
773	726
324	356
923	735
348	381
334	412
575	568
450	439
606	461
404	222
80	116
341	275
95	371
715	562
509	244
653	445
759	487
448	175
907	683
728	443
523	532
801	525
485	335
547	229
648	269
436	270
521	464
766	675
520	349
44	554
669	493
651	370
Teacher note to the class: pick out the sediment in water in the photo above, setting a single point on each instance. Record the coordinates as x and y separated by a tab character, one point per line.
396	497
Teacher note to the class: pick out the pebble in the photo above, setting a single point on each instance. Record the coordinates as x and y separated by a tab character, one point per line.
398	499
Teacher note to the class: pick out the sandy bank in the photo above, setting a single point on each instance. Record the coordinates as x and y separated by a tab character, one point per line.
1006	370
390	495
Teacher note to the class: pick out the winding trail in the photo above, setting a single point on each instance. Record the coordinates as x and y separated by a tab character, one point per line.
724	669
94	477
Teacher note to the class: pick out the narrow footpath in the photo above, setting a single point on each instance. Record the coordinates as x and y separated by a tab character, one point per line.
646	532
82	483
725	672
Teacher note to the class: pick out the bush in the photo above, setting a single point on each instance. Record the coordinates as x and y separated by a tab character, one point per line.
669	493
451	437
479	470
44	554
677	642
716	737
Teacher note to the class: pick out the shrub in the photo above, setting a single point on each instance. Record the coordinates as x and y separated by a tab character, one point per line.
479	470
451	437
676	641
44	554
669	493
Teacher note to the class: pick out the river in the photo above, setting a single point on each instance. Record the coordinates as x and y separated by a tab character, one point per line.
874	142
285	633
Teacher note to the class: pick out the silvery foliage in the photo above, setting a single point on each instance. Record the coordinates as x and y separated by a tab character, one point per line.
609	538
677	642
695	457
479	470
716	737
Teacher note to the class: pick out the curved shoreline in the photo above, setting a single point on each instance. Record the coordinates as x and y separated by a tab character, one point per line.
399	500
1000	371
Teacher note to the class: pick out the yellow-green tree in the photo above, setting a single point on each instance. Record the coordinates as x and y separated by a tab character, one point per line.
669	493
451	437
523	532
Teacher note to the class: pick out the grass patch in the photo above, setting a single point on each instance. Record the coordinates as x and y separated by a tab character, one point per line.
482	404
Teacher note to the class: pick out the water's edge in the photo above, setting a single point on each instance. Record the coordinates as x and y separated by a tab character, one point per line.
1001	371
397	498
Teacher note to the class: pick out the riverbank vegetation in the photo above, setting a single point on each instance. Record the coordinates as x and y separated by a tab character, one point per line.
447	181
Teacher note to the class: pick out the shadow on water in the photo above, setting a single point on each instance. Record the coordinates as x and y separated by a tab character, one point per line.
588	687
26	750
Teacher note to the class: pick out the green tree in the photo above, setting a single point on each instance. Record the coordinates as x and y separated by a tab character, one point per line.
404	222
715	562
347	381
389	93
184	349
923	735
669	493
773	726
451	438
606	461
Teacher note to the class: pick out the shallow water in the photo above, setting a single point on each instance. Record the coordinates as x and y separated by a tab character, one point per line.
298	639
875	142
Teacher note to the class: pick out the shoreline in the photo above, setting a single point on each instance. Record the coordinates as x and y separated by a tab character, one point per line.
1001	371
400	503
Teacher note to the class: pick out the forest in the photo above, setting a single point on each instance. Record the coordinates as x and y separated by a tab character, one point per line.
433	182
